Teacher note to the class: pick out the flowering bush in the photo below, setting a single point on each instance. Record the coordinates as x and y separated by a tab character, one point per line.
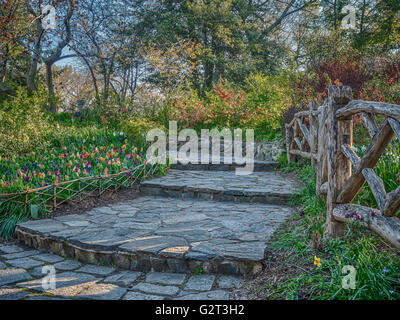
259	105
382	90
79	153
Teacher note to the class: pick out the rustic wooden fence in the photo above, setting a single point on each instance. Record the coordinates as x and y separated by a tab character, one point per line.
324	134
49	198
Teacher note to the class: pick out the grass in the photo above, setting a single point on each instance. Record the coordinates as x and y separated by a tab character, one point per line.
300	240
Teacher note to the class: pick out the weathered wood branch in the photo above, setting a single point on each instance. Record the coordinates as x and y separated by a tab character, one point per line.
395	126
324	188
387	227
369	123
392	205
305	131
374	152
351	155
357	106
298	143
376	185
303	154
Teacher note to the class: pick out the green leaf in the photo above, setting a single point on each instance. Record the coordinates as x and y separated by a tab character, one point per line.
34	211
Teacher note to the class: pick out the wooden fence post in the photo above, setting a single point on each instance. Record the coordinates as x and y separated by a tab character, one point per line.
322	170
289	139
313	133
54	196
339	166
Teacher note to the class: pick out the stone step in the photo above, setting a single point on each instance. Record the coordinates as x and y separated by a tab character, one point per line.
261	187
220	165
163	235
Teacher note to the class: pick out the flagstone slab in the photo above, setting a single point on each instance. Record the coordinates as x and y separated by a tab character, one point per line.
96	270
132	295
123	278
12	275
200	283
9	293
10	249
67	265
166	278
102	291
25	263
156	289
210	295
67	284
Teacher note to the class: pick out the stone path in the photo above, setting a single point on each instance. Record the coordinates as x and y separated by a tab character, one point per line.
21	274
165	235
214	223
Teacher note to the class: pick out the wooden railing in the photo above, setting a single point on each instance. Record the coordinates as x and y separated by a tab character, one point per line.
325	135
49	198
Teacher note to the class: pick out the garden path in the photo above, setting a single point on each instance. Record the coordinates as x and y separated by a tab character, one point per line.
206	221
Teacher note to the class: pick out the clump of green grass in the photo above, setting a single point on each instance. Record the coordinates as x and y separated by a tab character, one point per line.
377	264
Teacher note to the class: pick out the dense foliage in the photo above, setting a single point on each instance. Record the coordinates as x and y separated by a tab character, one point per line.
316	264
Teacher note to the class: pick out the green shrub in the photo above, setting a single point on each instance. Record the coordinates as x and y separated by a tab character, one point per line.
267	98
137	128
23	124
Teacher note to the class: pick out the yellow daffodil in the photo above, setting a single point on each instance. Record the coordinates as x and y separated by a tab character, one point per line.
317	261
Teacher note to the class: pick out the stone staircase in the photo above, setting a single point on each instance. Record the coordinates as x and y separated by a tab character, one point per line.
196	218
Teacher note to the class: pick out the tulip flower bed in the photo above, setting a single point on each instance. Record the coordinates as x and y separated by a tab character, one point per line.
79	164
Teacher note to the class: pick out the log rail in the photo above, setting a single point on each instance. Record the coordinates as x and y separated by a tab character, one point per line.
325	135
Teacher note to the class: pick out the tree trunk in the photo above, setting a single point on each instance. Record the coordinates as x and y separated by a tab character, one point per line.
50	87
